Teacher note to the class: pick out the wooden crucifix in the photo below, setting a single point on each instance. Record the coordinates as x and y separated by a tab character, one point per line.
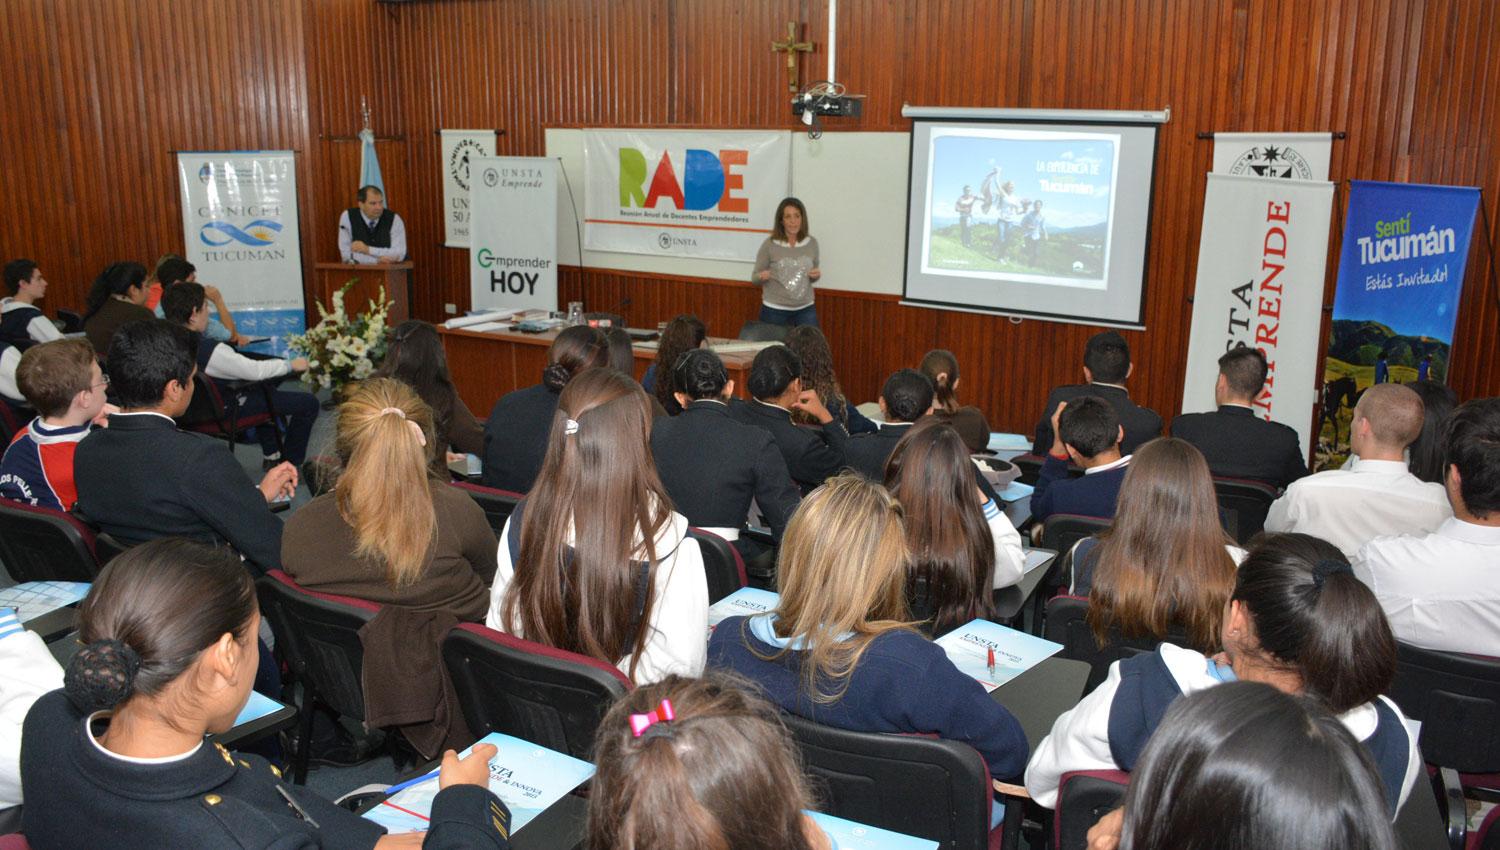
792	47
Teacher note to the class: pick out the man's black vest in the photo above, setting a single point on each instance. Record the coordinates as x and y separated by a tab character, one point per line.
380	237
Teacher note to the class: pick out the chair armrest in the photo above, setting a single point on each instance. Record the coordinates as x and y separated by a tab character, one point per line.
1455	810
1009	790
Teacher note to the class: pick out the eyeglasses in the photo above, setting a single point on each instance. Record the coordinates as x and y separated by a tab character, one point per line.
103	382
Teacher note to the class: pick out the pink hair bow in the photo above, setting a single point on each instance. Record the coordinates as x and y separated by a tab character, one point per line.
641	722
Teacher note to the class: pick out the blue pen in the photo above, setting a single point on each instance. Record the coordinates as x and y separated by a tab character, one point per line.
402	786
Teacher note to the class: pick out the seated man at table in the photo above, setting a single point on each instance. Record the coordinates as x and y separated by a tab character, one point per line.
1087	433
141	478
1106	367
812	454
1236	440
905	398
370	233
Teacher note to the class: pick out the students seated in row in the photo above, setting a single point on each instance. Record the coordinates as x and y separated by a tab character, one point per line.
62	380
22	323
1087	433
1165	564
712	465
811	347
839	649
183	304
941	368
1298	620
594	560
116	298
119	758
1235	439
416	357
906	397
812	455
171	269
683	334
391	532
1425	455
1441	590
1245	765
1106	366
141	478
720	771
1376	495
516	434
962	545
30	672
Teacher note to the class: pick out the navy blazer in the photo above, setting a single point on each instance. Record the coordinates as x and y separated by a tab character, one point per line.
1237	443
141	478
867	453
515	438
1093	494
813	455
1140	423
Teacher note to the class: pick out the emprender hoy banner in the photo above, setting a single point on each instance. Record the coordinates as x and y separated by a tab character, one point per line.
683	193
513	239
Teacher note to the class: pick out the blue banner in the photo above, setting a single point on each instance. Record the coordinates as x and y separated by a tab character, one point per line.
1401	272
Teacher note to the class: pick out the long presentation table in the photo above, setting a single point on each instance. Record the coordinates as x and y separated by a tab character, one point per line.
486	365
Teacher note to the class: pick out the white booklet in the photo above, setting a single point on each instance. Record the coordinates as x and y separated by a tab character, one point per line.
745	602
529	778
32	599
848	835
994	654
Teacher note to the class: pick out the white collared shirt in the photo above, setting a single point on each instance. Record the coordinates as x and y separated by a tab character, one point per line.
1108	466
373	255
1350	507
1441	590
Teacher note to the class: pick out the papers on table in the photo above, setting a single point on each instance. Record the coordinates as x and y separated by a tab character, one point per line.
745	602
485	327
32	599
527	777
848	835
259	706
741	346
471	465
1009	443
969	648
487	317
1015	491
1037	557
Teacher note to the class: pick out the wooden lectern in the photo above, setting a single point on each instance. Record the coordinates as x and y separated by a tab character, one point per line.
330	277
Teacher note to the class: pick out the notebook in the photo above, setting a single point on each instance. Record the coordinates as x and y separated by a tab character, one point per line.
969	649
745	602
848	835
32	599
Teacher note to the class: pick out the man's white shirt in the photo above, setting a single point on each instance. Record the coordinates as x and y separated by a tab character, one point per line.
1441	590
1350	507
346	240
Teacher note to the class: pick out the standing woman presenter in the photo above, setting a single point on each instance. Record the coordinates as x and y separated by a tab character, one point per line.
787	267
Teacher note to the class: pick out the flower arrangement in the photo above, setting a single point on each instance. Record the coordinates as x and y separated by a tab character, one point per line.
340	348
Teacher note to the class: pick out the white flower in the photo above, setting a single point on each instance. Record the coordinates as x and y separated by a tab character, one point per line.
357	347
339	361
362	369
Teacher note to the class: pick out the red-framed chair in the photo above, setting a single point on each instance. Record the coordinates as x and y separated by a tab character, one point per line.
216	413
722	564
1083	797
40	544
498	504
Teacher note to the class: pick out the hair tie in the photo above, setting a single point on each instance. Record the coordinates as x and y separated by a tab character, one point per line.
1329	567
101	675
653	724
415	428
570	427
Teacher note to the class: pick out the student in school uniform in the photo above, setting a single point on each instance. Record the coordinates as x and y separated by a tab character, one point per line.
941	368
62	380
1235	439
812	454
1086	432
117	297
809	344
1106	368
712	465
839	648
594	560
416	357
683	334
22	323
1298	620
906	397
119	756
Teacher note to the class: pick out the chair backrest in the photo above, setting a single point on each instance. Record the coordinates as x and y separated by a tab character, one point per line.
1457	698
72	320
317	634
722	564
40	544
1061	531
1083	797
534	692
757	331
1067	624
14	841
922	786
1031	468
1245	503
498	504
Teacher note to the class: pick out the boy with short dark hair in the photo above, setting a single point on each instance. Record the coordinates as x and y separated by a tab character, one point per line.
21	323
62	380
1087	432
1106	367
906	397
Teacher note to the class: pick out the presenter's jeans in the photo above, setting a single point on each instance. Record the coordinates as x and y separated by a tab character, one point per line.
791	318
297	412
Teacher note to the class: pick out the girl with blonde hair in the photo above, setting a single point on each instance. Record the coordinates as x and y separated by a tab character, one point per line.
389	532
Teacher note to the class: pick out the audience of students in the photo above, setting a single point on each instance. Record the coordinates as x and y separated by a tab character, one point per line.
811	347
141	478
1106	366
712	465
941	368
1298	620
1376	495
171	269
63	382
839	648
683	334
813	454
715	767
117	297
416	357
184	304
168	656
1425	454
906	397
1441	590
594	560
30	672
391	532
962	545
516	434
1087	432
1235	439
22	323
1164	564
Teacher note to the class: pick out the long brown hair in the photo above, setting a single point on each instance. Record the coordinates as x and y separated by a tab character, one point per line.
1162	561
721	775
683	334
941	367
582	597
383	492
416	356
952	550
808	343
842	577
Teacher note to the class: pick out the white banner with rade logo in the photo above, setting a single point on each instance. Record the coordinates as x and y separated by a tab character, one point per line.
513	246
459	150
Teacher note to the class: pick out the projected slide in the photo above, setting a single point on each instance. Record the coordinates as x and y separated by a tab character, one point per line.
1030	218
1026	205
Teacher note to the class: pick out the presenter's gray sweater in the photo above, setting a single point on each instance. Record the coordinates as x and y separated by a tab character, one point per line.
789	287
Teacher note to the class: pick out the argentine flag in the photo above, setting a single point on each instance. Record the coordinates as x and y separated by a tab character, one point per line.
369	164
